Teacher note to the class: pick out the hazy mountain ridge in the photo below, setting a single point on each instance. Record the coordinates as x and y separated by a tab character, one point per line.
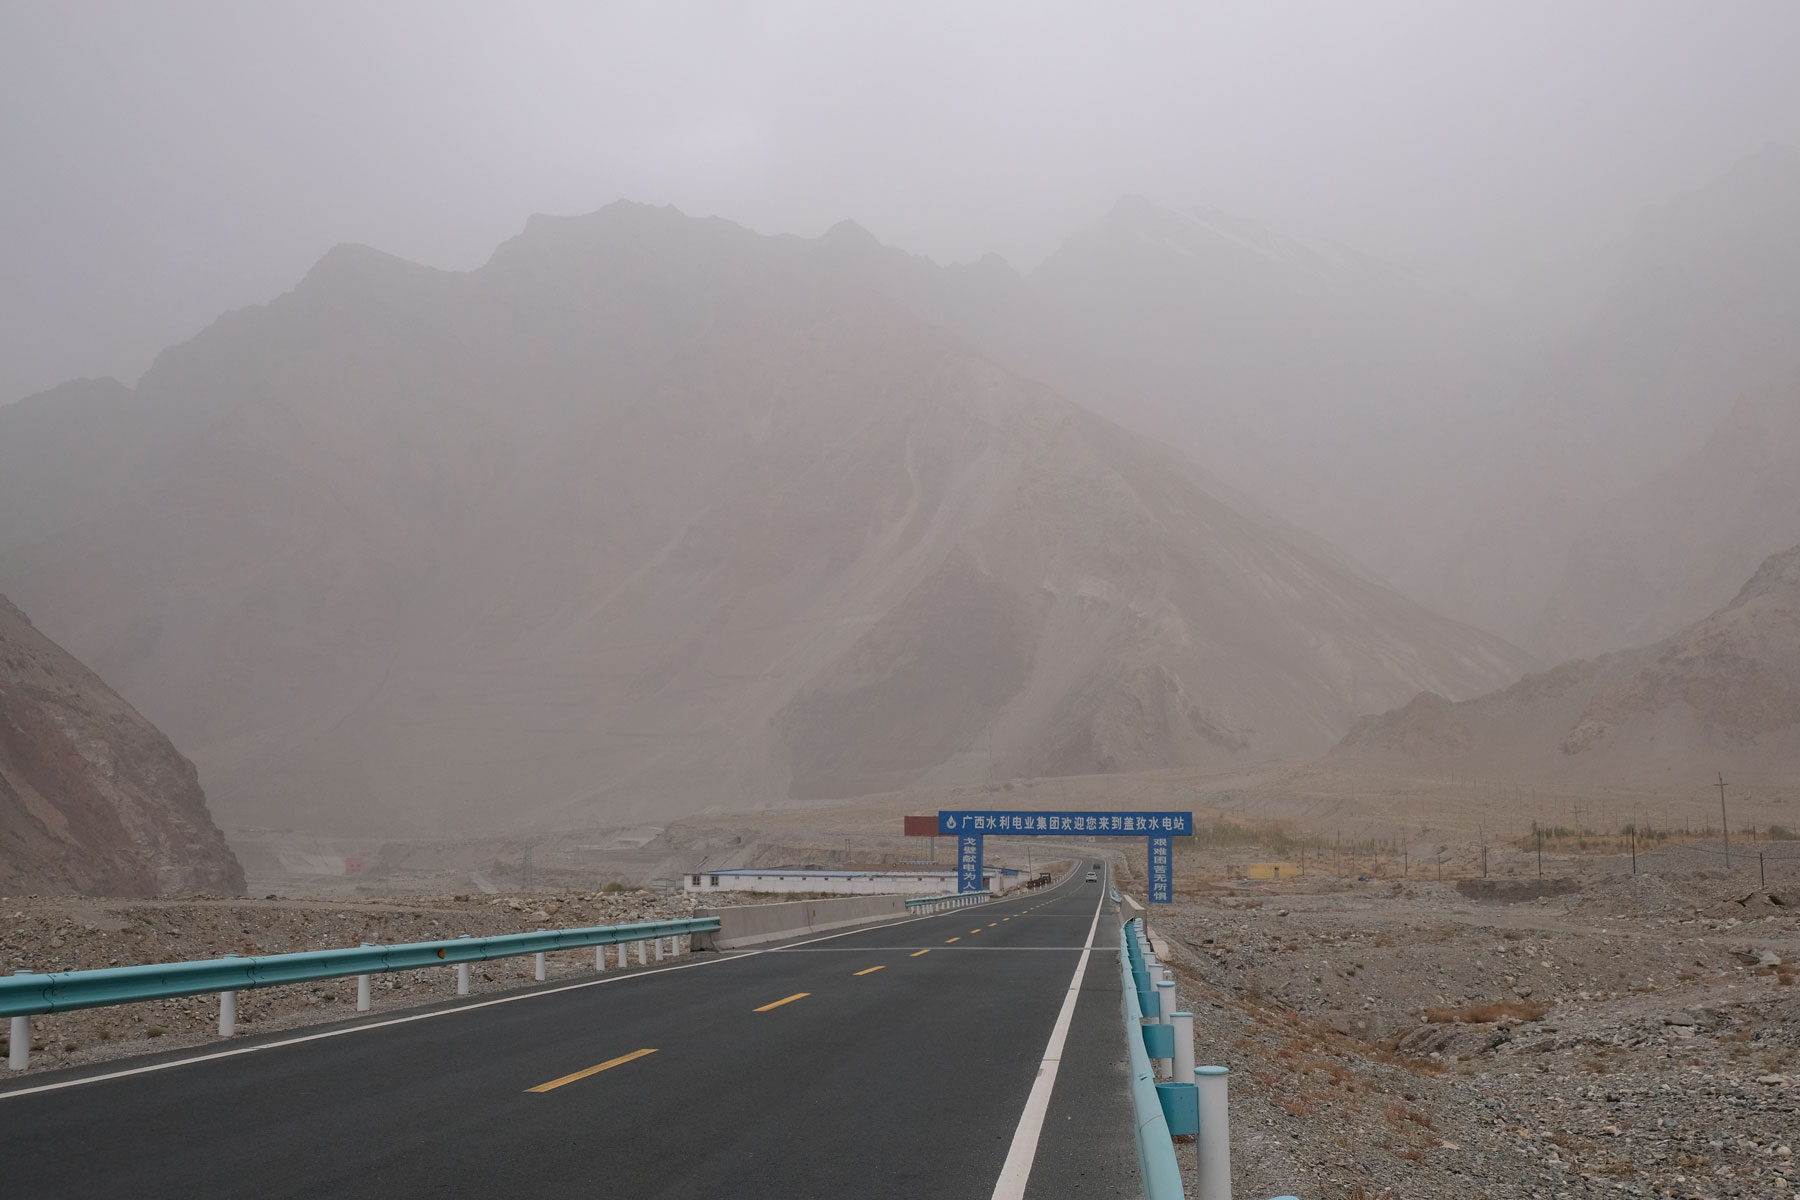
1415	431
1674	545
1237	345
1699	318
1722	693
92	798
652	513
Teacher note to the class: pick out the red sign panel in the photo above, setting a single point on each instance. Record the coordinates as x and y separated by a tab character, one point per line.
926	826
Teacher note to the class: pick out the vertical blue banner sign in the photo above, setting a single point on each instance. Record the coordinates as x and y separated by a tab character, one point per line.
968	862
1162	861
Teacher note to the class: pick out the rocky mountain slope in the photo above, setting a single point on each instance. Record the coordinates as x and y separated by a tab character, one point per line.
1313	380
651	514
92	798
1723	693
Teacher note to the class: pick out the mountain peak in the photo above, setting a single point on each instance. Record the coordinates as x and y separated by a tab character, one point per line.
848	232
352	265
1778	579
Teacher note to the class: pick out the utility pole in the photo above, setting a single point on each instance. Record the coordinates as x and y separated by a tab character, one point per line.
1634	849
1540	834
1724	826
1483	834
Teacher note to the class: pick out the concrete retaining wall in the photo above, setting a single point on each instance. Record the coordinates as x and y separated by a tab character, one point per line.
749	924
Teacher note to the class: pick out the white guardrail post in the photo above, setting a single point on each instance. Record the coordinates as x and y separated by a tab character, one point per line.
1184	1047
227	1010
1165	1015
362	988
1213	1147
539	964
600	957
18	1045
462	973
641	958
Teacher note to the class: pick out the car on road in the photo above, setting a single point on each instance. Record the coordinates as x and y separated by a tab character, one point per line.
1093	878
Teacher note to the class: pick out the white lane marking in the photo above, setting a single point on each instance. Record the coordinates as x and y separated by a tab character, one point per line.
1019	1159
461	1008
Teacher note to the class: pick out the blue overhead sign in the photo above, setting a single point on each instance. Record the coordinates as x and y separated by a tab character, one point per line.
1136	824
1160	828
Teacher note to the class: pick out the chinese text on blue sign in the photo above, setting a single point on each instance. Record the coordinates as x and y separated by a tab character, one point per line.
1161	860
1136	824
968	863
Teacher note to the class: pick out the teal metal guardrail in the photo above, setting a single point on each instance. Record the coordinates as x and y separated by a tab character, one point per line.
1156	1151
947	901
62	991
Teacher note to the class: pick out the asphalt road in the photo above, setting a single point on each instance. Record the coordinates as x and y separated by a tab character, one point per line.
890	1061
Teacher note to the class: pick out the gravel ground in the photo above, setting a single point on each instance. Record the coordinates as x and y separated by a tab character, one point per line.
1640	1035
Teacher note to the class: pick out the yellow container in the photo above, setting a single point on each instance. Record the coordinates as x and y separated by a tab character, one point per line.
1272	870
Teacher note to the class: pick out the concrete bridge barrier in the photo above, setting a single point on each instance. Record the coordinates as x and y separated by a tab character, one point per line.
751	924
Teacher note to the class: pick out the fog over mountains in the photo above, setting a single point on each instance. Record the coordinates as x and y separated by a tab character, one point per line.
652	513
1481	470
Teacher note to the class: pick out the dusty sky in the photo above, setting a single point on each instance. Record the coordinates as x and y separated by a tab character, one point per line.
166	161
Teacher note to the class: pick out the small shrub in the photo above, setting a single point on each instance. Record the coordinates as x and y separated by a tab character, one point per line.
1483	1014
155	1031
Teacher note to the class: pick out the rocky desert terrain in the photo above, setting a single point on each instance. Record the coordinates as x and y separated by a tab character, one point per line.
1585	1035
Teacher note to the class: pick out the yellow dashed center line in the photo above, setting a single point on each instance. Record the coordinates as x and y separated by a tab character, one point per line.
916	953
870	970
991	924
974	931
954	939
608	1065
784	1000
